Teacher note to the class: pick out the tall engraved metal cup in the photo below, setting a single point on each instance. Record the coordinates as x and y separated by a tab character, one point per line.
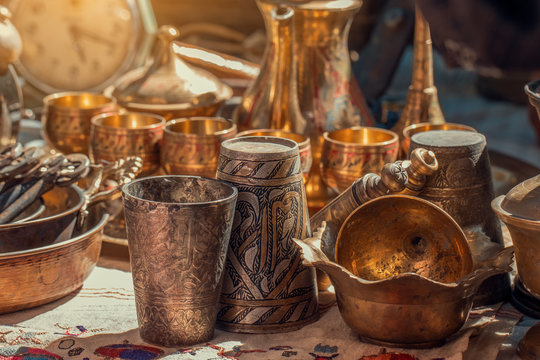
463	187
266	288
178	230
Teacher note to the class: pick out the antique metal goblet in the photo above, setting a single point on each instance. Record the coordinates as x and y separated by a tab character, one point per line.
114	136
348	154
191	145
66	119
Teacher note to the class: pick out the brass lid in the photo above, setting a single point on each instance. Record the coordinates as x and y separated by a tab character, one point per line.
169	81
529	346
523	200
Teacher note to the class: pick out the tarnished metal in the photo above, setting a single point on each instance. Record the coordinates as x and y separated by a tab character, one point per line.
420	127
49	272
66	119
304	146
347	154
463	187
408	283
422	103
178	230
191	145
266	287
114	136
519	209
169	86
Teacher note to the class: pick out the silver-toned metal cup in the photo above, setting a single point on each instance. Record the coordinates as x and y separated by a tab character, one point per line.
178	230
266	288
463	187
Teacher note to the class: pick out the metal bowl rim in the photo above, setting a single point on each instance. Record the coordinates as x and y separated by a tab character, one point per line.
60	245
54	96
230	130
98	117
75	208
507	217
394	141
223	200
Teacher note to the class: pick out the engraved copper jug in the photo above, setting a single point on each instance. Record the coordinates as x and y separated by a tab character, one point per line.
304	85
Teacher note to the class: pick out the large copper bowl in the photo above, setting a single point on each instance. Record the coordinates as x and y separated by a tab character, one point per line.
411	255
40	275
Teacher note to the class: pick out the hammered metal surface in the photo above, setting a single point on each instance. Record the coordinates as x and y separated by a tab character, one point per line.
266	287
463	187
178	229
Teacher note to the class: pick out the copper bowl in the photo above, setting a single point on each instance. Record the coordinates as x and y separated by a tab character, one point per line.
524	231
43	274
66	119
191	145
114	136
348	154
57	222
404	274
410	130
304	146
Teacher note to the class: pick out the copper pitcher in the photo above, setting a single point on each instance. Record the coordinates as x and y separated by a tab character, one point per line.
304	85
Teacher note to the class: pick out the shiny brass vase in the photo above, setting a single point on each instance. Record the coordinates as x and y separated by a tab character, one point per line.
304	85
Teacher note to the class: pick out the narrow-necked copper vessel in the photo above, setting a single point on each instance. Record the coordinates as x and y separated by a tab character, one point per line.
404	274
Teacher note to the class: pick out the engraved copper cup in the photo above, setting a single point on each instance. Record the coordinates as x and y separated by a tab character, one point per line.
348	154
191	145
178	230
463	187
266	287
304	146
66	119
115	136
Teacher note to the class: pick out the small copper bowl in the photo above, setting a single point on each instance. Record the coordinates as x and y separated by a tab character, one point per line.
348	154
410	130
118	135
66	119
191	145
304	146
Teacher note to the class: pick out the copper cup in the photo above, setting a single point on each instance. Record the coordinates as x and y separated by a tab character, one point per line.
118	135
304	146
191	145
265	287
66	119
178	230
463	187
420	127
348	154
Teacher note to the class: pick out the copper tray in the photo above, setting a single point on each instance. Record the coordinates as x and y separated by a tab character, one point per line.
506	171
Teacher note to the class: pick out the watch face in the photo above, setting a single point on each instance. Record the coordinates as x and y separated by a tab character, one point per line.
75	44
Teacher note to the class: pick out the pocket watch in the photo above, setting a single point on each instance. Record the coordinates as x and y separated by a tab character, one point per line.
81	45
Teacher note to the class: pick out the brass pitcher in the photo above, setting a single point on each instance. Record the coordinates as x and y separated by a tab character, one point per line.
422	104
304	85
